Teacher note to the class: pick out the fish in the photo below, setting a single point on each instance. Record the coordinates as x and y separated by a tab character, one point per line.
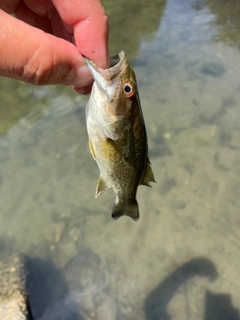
117	134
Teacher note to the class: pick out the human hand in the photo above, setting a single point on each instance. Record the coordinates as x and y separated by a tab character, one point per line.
45	44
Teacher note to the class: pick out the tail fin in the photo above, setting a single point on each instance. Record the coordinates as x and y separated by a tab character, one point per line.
125	209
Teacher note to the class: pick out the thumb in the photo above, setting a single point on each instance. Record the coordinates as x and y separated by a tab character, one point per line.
34	56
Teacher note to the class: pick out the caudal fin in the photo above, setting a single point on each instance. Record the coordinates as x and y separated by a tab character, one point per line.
125	209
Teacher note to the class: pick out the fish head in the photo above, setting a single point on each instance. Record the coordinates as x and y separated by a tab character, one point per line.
114	94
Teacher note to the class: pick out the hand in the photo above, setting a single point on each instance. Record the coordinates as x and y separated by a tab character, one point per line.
45	44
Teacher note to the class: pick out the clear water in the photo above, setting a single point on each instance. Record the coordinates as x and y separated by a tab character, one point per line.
181	259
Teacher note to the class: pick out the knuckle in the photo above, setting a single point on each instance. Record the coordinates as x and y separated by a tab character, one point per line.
37	69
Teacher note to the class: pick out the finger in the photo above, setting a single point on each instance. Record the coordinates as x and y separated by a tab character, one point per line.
59	29
9	6
43	8
90	25
25	14
84	90
44	18
31	55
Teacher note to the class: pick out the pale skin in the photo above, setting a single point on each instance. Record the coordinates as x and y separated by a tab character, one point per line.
46	40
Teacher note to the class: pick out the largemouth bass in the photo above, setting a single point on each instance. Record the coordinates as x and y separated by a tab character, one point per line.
117	134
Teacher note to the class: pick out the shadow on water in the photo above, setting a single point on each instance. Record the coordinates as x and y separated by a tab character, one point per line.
48	292
217	306
78	291
157	301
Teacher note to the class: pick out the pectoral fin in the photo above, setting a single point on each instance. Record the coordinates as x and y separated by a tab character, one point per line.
102	186
113	130
91	149
148	175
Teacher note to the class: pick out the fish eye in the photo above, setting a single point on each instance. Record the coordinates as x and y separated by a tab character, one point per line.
128	89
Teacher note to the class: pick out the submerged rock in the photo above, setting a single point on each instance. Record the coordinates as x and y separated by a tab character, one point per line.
215	69
13	298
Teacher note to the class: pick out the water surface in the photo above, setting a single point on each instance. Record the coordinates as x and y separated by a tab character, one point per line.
181	259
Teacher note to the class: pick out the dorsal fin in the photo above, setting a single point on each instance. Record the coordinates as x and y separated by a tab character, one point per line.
148	175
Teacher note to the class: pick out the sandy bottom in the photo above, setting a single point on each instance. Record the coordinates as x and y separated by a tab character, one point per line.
181	259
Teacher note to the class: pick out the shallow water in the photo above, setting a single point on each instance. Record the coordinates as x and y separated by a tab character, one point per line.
181	259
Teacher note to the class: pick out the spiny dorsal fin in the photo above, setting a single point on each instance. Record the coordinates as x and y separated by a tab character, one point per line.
101	186
148	175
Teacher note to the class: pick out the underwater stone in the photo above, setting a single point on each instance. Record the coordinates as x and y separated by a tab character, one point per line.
13	299
214	69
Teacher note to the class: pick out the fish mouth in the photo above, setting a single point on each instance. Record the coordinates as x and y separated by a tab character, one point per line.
118	63
114	60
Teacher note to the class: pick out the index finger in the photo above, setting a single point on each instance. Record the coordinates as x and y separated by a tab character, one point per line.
89	22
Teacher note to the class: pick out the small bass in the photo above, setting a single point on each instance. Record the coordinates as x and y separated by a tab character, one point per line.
117	134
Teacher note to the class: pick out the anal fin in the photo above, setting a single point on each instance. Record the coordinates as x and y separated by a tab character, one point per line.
102	186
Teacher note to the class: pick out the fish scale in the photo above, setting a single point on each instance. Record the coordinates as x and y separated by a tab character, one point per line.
117	134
